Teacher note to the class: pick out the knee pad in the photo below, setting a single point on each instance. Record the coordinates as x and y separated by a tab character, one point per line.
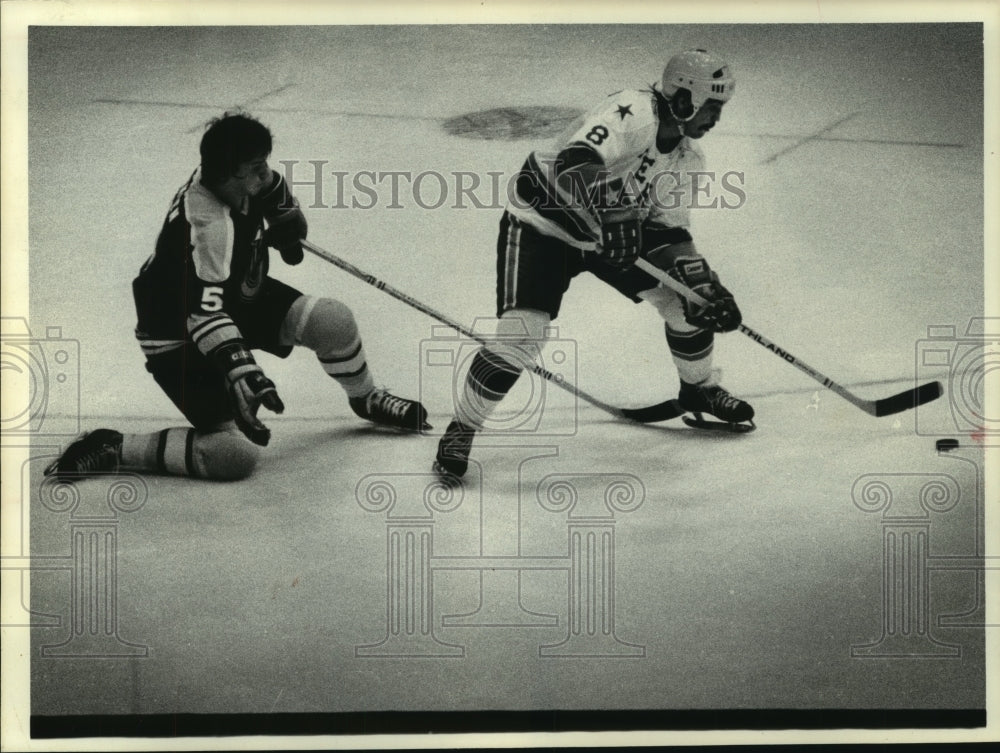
323	325
224	455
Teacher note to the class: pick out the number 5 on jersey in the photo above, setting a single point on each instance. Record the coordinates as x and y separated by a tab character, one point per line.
211	299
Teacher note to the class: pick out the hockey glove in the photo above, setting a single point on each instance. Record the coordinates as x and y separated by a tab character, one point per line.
720	313
286	232
621	235
248	390
286	225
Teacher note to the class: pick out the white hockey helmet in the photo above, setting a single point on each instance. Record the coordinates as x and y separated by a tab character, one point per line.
702	73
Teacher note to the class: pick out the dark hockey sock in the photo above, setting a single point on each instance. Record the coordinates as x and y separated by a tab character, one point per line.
490	378
692	353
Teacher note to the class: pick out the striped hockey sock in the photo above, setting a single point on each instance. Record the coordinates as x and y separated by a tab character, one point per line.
490	378
349	367
170	451
328	328
223	455
692	353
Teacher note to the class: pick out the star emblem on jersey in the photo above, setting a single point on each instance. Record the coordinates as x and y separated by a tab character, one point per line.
624	110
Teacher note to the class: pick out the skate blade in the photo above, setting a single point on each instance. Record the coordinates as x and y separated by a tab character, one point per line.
445	476
699	422
400	429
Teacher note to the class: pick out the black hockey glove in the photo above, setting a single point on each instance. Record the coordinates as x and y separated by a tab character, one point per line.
621	235
720	313
248	390
286	225
286	232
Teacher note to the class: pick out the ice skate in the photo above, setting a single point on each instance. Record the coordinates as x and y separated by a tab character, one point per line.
735	415
98	451
453	452
381	407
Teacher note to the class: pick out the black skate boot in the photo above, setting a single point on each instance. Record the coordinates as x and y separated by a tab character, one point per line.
385	409
97	451
453	451
736	415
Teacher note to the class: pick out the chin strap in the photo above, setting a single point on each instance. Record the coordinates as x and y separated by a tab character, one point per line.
679	119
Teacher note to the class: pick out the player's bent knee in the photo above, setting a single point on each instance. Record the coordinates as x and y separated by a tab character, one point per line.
330	326
225	455
520	336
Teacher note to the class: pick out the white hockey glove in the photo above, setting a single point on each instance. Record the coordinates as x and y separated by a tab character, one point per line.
720	313
248	390
621	235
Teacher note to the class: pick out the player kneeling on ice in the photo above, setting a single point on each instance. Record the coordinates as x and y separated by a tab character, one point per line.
618	188
205	301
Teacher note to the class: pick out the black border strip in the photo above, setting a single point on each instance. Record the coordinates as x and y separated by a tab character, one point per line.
444	722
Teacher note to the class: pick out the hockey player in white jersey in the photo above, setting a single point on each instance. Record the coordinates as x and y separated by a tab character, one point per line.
617	187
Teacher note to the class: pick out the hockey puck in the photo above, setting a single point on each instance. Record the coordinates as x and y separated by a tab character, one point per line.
946	445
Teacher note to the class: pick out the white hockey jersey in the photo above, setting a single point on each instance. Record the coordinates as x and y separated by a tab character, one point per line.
622	133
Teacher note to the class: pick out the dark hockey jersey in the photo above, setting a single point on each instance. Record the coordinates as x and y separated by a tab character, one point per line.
209	264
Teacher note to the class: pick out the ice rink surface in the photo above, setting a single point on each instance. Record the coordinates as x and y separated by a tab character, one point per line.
826	561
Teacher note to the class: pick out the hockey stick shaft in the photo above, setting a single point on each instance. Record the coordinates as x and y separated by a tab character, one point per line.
659	412
884	407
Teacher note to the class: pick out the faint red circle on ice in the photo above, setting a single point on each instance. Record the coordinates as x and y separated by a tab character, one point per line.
511	123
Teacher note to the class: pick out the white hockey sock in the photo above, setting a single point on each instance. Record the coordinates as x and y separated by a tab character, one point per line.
182	451
169	451
690	347
327	327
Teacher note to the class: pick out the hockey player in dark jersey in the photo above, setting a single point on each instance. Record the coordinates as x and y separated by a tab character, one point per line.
617	186
205	301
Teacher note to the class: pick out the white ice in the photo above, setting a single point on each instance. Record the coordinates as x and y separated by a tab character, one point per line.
747	573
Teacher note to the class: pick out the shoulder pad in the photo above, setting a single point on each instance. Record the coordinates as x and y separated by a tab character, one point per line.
202	206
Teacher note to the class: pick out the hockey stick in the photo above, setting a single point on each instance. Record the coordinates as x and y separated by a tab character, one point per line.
648	414
887	406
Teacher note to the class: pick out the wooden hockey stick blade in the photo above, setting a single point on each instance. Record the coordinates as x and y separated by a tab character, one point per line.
925	393
878	408
651	414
